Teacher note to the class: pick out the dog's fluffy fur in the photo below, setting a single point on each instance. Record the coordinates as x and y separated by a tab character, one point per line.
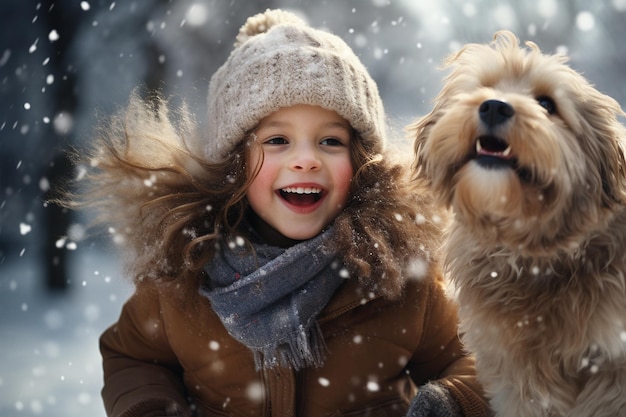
529	157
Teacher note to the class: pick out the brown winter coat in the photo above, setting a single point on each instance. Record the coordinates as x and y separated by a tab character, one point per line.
163	352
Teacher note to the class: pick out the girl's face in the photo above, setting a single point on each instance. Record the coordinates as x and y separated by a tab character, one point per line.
304	180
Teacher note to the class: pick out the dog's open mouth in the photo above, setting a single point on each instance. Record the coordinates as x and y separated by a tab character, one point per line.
493	152
301	196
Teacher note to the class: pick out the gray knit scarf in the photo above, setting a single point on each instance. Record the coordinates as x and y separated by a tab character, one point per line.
269	302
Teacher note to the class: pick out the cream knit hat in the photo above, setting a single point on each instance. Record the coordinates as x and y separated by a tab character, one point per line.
279	61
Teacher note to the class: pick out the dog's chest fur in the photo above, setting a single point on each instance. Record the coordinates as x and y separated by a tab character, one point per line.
555	320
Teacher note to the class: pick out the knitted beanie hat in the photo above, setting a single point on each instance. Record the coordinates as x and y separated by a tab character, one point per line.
279	61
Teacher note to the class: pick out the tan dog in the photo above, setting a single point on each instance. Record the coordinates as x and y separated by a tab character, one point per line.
528	155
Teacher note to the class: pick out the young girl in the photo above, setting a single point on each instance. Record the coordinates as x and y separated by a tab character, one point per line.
283	263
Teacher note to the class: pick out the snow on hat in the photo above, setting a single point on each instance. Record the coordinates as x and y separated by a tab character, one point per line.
279	61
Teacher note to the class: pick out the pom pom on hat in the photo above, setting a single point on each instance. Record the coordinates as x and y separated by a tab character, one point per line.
279	61
261	22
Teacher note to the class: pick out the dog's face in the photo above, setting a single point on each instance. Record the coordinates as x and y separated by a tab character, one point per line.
523	148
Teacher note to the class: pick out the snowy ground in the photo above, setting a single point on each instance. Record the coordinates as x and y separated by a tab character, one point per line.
50	364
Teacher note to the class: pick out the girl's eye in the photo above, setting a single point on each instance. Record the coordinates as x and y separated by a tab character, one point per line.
276	141
332	142
547	103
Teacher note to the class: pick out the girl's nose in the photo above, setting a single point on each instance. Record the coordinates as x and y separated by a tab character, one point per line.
305	160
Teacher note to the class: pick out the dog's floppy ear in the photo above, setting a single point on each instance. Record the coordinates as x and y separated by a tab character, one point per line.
603	137
419	131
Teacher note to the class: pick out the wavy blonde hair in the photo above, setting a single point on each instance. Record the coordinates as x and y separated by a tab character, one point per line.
169	207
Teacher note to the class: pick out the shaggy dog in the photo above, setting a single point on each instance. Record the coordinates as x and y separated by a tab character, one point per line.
528	155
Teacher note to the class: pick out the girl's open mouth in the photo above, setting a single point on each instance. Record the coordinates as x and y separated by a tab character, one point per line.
301	196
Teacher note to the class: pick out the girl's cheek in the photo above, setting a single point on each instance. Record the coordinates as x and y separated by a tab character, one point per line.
253	160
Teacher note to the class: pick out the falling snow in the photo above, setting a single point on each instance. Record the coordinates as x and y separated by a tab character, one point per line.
53	36
373	386
51	365
25	228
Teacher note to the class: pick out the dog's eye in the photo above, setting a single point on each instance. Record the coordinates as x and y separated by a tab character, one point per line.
547	103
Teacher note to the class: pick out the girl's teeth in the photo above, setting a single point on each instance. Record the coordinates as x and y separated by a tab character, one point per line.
302	190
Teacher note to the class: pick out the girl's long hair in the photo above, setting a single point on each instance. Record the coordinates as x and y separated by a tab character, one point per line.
168	207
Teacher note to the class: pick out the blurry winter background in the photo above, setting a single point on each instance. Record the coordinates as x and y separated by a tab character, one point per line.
65	63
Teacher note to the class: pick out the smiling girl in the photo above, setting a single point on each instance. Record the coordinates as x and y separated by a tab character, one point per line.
283	264
302	170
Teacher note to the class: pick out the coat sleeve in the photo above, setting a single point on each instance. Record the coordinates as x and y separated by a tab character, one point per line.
142	376
442	359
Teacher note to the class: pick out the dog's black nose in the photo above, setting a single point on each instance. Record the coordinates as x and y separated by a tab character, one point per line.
494	112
